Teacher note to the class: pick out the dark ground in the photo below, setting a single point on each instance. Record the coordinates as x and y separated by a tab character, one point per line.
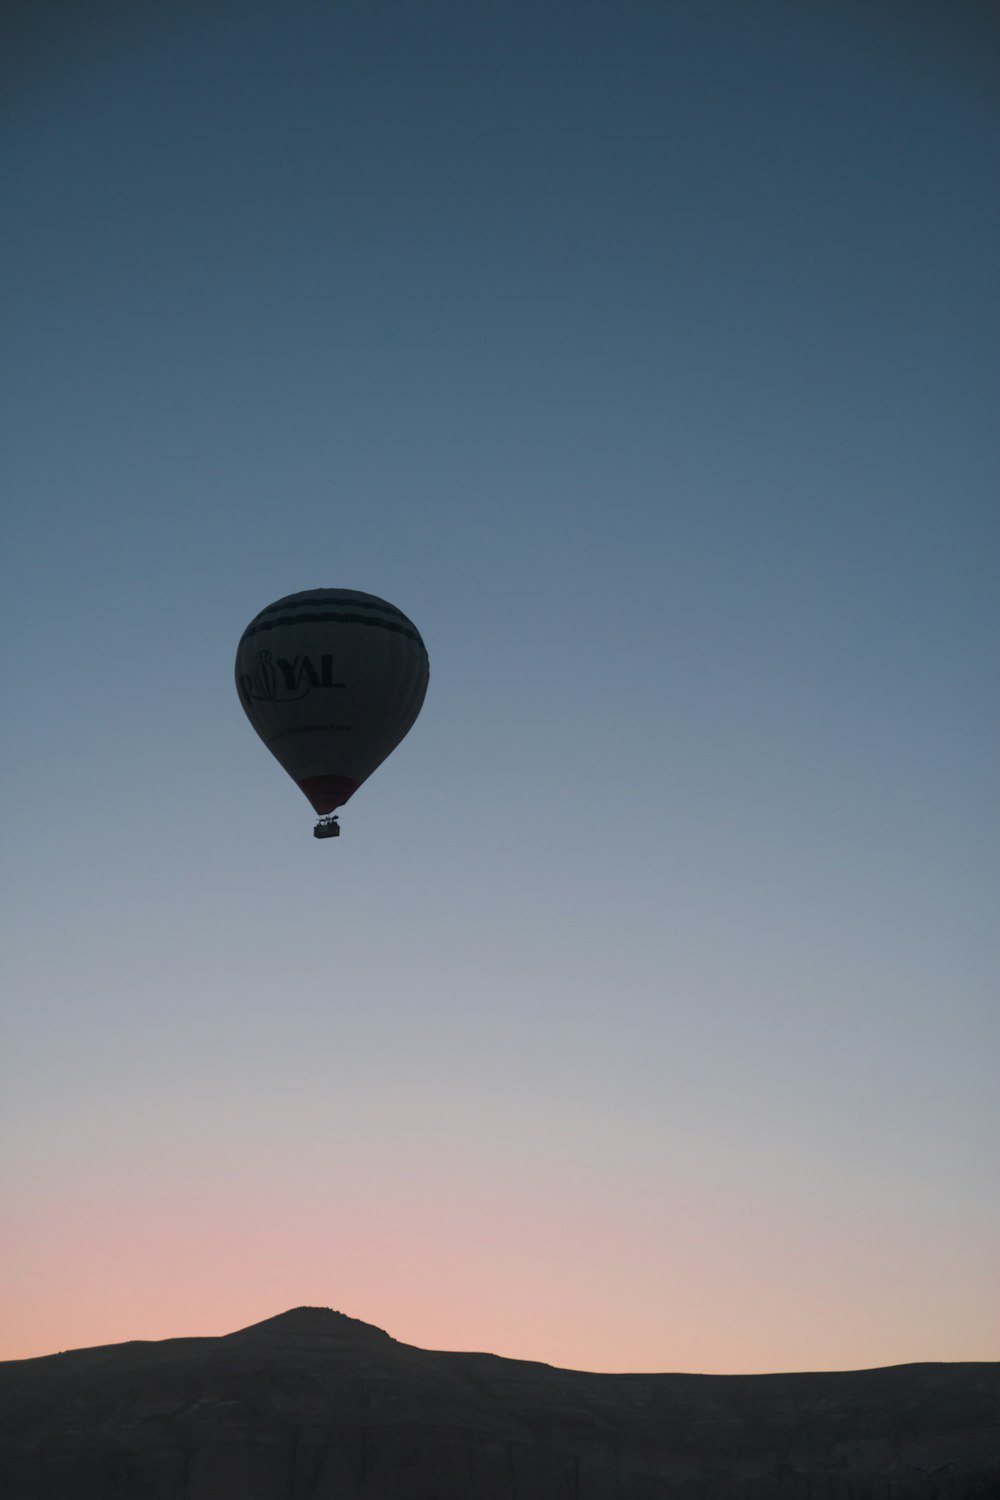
313	1405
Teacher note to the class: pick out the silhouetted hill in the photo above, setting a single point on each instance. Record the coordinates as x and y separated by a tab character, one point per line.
313	1405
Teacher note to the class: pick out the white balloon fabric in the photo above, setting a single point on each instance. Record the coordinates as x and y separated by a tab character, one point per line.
331	680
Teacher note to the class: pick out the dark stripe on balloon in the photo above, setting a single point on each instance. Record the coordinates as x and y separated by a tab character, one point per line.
294	601
269	739
321	619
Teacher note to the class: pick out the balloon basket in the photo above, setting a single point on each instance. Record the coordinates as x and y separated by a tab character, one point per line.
327	828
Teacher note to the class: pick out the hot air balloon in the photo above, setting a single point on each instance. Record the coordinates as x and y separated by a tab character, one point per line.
331	680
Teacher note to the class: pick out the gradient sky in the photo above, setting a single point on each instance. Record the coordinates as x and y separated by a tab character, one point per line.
645	353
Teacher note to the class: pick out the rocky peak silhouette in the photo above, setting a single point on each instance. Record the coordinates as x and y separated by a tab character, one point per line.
312	1322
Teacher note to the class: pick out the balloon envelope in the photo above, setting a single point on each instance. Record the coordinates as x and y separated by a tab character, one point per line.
331	680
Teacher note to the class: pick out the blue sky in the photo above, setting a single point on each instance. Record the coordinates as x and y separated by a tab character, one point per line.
645	355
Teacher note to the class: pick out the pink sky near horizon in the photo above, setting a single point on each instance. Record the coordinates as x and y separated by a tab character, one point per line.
713	1256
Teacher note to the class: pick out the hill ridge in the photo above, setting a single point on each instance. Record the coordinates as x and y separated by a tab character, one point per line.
312	1404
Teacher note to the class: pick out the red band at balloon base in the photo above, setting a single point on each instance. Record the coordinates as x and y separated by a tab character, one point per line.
328	792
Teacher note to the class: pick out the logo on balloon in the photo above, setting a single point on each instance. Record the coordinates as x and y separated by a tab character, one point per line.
284	681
